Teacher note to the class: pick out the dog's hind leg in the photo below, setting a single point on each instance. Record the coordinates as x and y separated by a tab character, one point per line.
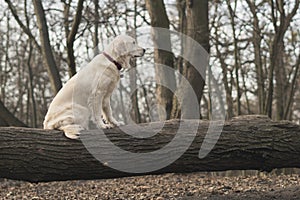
70	128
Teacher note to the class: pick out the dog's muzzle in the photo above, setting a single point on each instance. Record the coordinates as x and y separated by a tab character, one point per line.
141	53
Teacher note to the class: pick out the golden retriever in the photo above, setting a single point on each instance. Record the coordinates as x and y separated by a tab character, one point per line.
86	96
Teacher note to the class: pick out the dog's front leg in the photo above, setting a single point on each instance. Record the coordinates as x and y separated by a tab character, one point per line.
107	112
97	111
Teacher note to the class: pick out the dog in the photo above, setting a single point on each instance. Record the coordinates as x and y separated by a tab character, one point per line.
86	96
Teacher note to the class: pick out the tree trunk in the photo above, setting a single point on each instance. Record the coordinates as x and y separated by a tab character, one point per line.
280	80
221	57
237	65
278	58
48	57
31	90
198	31
290	97
257	38
96	28
246	142
228	89
162	57
182	28
135	111
71	34
281	25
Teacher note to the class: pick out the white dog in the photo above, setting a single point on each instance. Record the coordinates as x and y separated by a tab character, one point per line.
86	96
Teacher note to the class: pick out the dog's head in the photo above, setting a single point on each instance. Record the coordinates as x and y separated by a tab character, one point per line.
124	48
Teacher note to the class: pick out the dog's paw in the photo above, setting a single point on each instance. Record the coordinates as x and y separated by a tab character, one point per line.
119	124
105	121
71	135
72	131
107	126
116	123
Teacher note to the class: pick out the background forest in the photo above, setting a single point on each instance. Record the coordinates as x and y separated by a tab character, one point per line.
254	44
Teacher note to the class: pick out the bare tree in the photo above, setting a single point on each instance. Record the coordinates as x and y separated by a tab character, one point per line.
96	28
135	111
281	21
291	95
21	24
31	96
46	47
237	64
71	33
199	31
159	18
220	56
256	40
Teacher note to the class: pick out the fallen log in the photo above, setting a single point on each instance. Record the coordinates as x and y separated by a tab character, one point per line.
246	142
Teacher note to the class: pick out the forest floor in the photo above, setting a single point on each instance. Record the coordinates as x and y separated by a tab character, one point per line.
169	186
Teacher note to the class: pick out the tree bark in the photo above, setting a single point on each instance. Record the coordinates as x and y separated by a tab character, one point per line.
246	142
48	57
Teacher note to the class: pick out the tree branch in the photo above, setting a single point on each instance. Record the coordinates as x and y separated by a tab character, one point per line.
75	25
25	29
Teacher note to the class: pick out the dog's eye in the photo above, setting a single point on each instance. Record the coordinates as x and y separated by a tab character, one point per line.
133	42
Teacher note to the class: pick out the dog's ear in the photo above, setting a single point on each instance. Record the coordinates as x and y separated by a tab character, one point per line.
119	48
131	33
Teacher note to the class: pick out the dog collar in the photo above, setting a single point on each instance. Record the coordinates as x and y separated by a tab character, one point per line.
118	65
